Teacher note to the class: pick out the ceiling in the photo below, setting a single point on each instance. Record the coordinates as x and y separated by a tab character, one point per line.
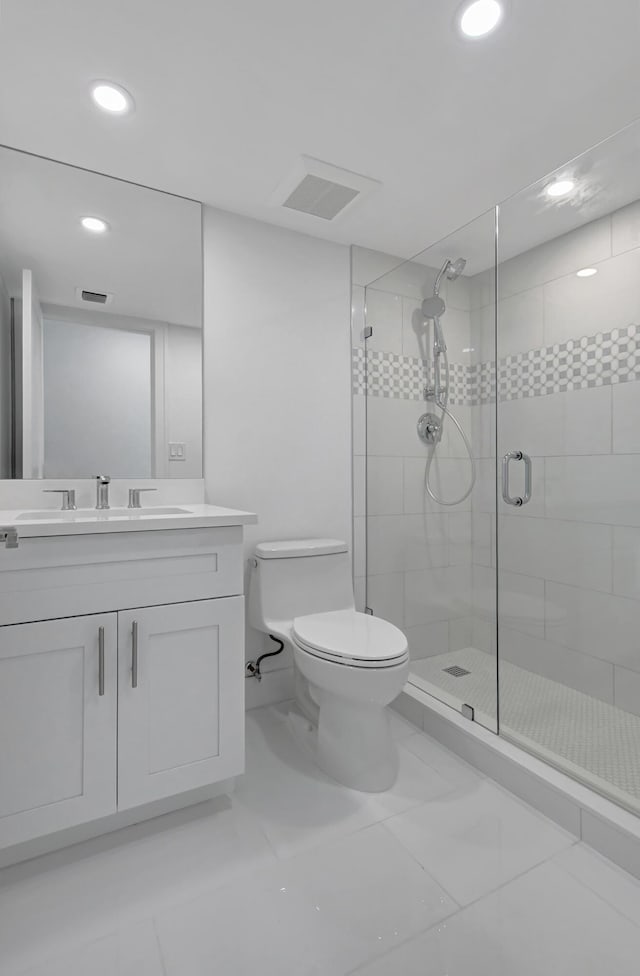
229	95
149	260
606	178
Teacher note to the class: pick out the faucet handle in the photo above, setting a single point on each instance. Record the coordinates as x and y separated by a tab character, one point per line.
134	496
68	497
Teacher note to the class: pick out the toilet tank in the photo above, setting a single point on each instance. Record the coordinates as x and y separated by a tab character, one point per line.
296	577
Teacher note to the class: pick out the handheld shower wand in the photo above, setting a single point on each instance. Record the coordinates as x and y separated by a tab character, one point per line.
430	427
433	308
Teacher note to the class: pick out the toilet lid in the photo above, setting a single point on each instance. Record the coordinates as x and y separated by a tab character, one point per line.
350	637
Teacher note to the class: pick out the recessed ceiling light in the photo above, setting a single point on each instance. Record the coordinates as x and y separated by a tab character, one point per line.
480	18
586	272
95	224
112	98
560	188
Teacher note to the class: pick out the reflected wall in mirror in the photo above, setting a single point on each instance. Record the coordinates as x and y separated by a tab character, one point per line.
100	325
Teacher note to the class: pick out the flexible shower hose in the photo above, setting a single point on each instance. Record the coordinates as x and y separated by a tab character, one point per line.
443	405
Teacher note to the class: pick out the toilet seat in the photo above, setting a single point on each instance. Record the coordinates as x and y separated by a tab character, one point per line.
351	638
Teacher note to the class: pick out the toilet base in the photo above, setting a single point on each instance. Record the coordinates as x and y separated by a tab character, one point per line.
371	767
355	745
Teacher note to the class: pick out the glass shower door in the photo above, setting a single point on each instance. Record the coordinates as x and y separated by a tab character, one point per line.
430	464
568	551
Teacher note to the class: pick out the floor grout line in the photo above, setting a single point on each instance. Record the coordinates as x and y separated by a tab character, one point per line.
609	865
472	904
163	961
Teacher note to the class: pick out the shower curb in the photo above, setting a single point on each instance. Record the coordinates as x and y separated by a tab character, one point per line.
604	826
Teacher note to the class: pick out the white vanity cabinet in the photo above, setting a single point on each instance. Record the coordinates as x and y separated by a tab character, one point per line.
57	725
134	690
179	683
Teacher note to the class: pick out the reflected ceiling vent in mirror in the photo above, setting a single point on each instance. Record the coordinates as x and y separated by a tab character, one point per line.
320	189
85	295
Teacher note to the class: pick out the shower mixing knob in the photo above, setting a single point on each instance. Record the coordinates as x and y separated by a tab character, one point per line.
429	428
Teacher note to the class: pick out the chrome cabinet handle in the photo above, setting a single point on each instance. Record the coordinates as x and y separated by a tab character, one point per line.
134	654
516	456
101	661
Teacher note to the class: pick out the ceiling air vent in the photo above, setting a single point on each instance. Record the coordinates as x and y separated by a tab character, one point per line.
93	297
319	197
320	189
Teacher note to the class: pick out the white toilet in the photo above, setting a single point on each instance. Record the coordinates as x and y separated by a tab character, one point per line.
349	665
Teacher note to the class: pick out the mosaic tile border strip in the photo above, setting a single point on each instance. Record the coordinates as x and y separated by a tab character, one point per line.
578	364
383	374
604	359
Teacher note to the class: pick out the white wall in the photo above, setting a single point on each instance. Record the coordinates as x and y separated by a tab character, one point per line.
21	496
97	390
5	382
183	399
277	385
176	391
31	380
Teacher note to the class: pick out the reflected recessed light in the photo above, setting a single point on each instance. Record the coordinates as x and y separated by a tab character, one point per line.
112	98
560	188
586	272
480	18
95	224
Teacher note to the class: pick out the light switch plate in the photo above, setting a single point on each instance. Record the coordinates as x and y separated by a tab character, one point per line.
177	451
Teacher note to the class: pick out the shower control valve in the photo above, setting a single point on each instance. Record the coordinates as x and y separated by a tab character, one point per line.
429	428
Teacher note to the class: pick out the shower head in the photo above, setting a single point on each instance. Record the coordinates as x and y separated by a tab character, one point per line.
433	308
456	268
452	269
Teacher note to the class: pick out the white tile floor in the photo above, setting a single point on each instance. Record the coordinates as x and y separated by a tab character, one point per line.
445	874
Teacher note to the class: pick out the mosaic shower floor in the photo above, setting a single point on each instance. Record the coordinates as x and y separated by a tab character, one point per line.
585	737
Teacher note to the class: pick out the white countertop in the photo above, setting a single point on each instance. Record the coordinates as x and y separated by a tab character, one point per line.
90	521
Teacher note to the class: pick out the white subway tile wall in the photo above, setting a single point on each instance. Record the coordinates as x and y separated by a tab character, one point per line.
416	553
568	390
572	404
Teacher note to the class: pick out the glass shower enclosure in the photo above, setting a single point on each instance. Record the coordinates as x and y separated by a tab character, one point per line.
498	375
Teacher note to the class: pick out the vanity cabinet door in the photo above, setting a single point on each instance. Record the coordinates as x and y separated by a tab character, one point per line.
58	707
181	698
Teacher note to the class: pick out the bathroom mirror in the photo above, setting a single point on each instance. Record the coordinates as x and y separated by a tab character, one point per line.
100	325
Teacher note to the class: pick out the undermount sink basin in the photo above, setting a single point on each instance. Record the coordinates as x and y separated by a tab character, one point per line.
107	513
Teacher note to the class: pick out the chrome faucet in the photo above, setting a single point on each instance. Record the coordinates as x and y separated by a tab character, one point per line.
102	491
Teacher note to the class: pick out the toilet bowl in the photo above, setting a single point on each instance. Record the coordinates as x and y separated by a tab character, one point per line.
355	665
349	665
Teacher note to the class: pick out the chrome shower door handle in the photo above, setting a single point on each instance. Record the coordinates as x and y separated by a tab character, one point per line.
518	500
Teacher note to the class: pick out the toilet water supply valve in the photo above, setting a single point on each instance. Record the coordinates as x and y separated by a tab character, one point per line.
252	668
